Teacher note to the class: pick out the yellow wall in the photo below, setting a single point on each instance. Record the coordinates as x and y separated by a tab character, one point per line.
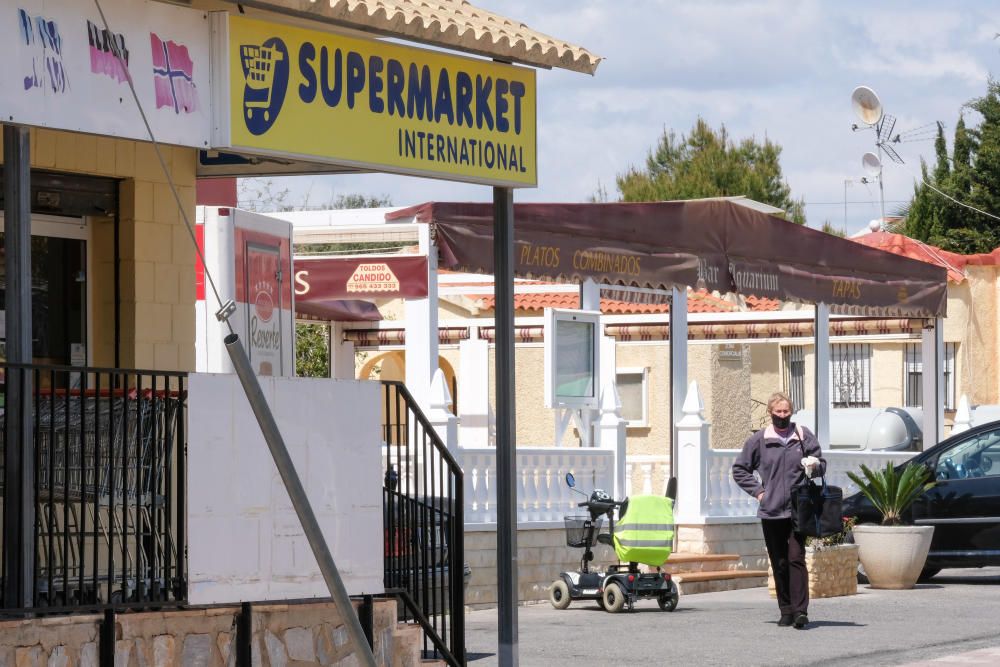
654	440
157	255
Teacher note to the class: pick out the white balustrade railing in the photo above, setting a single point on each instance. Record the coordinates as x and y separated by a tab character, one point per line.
542	494
646	475
543	497
722	497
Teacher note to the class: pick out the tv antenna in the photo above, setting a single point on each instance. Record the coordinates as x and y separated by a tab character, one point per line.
868	108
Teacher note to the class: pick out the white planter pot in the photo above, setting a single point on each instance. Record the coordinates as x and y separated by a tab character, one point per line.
893	556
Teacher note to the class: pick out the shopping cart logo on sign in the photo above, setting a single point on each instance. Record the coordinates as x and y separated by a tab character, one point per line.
265	70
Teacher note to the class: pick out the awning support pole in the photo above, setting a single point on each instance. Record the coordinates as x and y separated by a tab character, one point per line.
932	356
821	333
503	270
678	366
19	477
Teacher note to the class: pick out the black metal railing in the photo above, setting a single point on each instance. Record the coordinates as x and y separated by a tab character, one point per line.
106	452
424	525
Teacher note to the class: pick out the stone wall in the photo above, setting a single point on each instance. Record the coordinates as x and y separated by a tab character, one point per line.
833	571
299	634
541	555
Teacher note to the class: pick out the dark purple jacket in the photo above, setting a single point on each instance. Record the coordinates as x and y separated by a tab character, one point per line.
779	466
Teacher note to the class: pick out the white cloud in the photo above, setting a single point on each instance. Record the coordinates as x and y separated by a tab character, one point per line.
774	68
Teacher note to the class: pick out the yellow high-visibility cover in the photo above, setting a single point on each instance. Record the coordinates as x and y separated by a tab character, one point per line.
646	533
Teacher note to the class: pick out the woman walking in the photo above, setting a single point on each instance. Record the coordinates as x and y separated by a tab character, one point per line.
784	455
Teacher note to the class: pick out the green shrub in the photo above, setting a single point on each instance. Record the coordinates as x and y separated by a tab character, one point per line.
892	491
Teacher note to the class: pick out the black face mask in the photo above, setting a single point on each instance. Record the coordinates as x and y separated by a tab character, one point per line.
781	422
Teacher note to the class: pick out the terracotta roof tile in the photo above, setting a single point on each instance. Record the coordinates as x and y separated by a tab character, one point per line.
455	24
954	263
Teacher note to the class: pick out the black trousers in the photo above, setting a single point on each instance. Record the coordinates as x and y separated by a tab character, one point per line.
787	552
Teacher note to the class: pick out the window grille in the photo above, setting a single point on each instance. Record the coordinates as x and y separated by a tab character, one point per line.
795	374
850	375
913	374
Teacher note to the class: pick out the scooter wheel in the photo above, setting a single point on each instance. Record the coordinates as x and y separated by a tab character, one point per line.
614	598
559	594
668	601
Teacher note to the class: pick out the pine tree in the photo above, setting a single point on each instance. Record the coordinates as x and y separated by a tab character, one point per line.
971	176
708	163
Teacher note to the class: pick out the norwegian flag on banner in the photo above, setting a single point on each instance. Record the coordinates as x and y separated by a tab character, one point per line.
173	75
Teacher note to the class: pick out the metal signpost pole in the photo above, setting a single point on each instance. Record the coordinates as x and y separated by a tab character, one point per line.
300	501
506	457
19	478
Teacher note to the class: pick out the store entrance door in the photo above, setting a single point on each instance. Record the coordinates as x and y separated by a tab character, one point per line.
59	291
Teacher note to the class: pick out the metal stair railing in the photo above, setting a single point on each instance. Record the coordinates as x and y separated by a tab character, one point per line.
423	519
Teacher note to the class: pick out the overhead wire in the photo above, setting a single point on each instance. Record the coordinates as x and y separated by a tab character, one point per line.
949	197
116	50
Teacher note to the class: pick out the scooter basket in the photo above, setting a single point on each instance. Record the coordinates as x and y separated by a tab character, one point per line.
576	529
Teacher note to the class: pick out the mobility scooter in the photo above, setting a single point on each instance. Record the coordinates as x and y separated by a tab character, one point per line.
643	534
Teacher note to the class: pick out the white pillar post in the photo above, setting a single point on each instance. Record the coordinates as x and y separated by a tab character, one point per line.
611	433
932	357
474	391
963	416
678	366
692	444
821	336
438	413
590	299
341	354
422	328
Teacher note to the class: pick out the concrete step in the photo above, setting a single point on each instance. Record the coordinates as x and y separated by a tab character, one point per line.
691	562
711	581
408	642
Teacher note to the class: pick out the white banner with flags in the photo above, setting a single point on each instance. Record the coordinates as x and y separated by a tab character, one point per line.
62	68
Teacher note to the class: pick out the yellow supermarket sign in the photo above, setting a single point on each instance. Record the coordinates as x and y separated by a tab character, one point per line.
330	98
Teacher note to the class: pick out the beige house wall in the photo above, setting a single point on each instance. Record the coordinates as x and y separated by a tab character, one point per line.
157	256
730	388
972	323
654	438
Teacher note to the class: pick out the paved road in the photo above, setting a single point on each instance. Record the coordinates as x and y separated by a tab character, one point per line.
954	614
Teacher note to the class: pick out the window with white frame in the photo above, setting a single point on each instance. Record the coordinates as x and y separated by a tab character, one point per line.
913	376
794	361
633	391
851	375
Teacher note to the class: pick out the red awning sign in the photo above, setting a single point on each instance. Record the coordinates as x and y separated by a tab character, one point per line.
321	278
377	277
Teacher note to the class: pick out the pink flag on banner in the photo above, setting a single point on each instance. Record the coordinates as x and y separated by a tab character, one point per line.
173	76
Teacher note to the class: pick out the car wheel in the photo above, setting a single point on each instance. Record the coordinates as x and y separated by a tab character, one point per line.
614	598
559	594
928	573
600	603
668	601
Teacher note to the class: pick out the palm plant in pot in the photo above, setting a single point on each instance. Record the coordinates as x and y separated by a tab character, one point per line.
894	552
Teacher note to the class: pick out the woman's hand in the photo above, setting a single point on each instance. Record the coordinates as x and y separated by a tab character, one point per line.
760	496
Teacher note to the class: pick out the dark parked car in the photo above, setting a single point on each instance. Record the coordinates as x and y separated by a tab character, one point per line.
964	506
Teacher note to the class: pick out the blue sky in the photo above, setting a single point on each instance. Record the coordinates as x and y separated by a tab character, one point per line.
780	69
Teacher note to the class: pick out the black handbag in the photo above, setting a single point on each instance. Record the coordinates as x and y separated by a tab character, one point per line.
817	510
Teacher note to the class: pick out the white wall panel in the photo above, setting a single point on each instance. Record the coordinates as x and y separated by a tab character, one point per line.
245	540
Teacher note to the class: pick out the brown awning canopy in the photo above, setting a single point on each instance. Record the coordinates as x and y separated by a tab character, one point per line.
338	310
711	244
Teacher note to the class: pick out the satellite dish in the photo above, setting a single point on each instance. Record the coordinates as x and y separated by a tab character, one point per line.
866	105
871	164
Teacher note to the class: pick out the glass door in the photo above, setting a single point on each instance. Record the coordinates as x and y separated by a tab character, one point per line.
58	293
